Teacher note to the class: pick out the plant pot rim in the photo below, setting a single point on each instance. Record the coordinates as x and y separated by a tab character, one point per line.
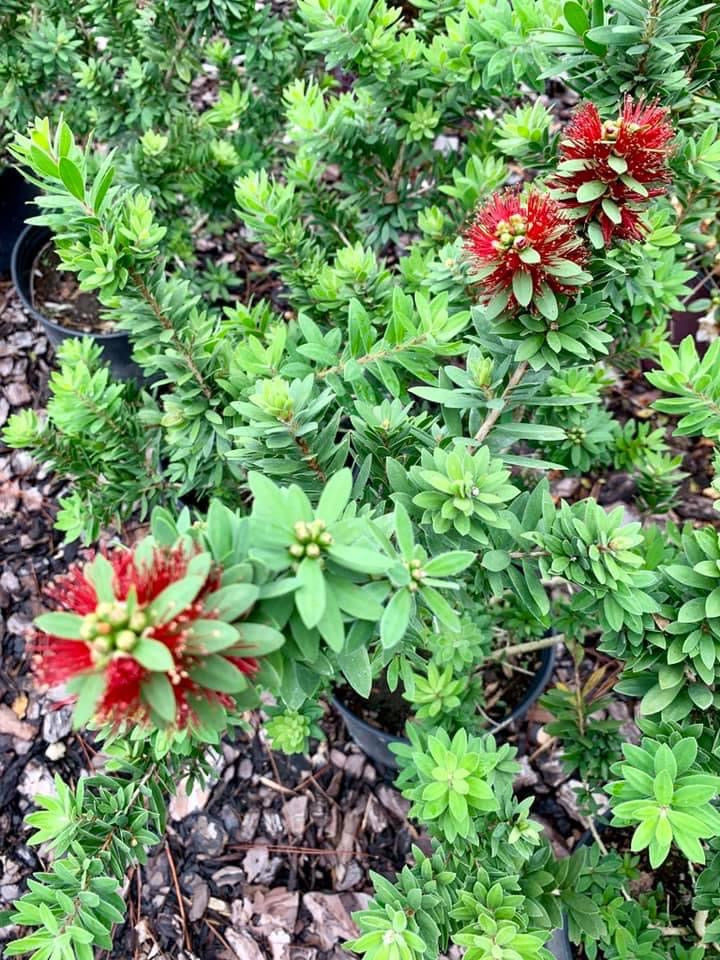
28	231
539	682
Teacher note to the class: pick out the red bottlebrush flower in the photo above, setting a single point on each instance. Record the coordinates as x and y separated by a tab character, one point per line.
525	252
609	169
138	628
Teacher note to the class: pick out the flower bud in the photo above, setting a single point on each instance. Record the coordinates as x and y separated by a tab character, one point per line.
126	640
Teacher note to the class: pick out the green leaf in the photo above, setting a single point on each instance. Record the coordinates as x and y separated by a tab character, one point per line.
522	287
576	17
404	531
89	689
174	599
211	636
700	695
355	665
496	560
546	302
218	673
663	788
230	602
152	655
616	35
72	178
657	699
258	639
310	597
563	268
618	164
335	496
360	559
496	304
611	210
395	618
529	255
587	192
635	185
712	603
449	564
693	611
65	625
595	235
157	692
440	607
101	575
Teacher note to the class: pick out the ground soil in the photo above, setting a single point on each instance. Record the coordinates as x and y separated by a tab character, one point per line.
56	295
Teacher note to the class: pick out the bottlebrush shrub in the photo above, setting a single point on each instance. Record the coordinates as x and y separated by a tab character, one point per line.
164	83
381	446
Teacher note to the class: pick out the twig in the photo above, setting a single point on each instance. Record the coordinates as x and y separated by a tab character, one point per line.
178	895
527	647
543	748
491	419
306	851
276	786
211	927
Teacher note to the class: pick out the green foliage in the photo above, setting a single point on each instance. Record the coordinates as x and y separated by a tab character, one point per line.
92	432
523	133
451	781
290	730
608	47
603	557
462	490
590	739
662	790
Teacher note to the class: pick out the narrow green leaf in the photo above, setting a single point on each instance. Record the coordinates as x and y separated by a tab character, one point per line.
335	496
576	17
310	597
174	599
89	688
65	625
157	692
395	618
71	177
546	302
218	673
152	655
101	575
611	210
522	287
587	192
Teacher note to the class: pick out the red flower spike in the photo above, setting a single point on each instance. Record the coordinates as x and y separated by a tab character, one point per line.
609	170
111	631
524	253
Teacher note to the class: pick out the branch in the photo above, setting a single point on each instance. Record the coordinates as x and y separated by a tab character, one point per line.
491	419
528	647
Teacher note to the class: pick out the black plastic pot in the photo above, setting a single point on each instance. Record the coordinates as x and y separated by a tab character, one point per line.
15	196
115	346
376	743
559	945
